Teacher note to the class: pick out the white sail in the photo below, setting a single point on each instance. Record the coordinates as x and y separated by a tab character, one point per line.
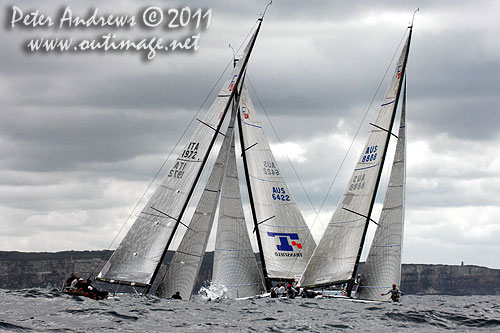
287	243
383	264
139	254
235	266
337	254
185	264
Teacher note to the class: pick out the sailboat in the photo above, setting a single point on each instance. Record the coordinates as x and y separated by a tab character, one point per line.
336	259
138	258
283	237
383	264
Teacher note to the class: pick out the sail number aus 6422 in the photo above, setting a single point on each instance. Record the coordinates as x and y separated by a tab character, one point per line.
370	154
279	194
270	169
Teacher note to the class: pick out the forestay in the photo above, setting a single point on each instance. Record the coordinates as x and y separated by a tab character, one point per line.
287	243
336	256
140	252
185	264
235	265
383	264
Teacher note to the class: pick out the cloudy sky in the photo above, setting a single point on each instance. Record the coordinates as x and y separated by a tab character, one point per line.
82	135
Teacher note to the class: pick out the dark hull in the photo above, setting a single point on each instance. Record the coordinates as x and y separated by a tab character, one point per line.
96	295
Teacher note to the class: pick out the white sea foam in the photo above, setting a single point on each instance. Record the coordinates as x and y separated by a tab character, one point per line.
212	291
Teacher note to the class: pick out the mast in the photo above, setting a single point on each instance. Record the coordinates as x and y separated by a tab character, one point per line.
267	282
205	158
350	284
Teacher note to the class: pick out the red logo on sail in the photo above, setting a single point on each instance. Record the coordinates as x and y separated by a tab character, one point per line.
398	75
232	83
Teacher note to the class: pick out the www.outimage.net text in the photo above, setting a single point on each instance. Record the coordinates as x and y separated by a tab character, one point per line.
149	19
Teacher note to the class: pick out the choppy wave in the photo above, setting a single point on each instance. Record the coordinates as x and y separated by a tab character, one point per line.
445	319
40	310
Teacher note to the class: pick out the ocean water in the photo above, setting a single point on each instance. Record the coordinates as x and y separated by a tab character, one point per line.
47	310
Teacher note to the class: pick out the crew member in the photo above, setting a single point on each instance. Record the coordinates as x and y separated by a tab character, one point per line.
395	293
177	295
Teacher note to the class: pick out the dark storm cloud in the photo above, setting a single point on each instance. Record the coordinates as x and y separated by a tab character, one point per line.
55	139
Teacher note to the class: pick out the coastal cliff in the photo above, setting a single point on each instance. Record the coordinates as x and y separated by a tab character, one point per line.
20	270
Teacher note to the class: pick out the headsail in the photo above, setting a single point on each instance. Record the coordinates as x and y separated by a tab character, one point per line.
185	264
138	257
383	264
336	258
235	265
286	241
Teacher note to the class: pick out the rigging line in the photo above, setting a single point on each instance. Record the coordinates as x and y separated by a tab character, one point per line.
175	146
359	127
277	136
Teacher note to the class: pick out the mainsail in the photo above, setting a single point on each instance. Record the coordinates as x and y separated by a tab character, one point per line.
185	264
137	259
286	243
235	266
336	258
383	264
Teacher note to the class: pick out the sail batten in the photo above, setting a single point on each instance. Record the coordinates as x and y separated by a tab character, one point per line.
336	258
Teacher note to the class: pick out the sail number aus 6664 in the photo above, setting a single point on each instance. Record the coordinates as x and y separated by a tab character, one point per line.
370	154
270	169
279	194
